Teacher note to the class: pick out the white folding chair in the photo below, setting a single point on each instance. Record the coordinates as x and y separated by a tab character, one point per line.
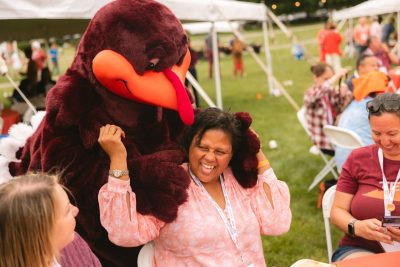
146	255
342	137
327	202
329	164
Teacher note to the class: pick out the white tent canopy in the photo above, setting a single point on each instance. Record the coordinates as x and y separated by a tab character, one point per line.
194	10
368	8
28	19
205	27
212	10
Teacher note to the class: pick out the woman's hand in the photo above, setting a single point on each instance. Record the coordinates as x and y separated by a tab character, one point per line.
394	233
371	229
110	140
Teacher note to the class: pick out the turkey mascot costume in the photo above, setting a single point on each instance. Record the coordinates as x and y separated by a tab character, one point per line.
128	71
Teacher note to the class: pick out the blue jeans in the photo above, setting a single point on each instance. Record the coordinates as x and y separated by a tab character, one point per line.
344	251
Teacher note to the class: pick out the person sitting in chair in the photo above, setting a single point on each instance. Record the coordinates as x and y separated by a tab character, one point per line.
366	191
323	102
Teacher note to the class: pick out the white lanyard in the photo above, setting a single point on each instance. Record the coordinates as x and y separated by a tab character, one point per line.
388	194
229	222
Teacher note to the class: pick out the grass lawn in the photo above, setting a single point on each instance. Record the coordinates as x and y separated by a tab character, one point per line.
274	118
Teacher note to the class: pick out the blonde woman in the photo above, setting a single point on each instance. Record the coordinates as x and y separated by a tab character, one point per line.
37	221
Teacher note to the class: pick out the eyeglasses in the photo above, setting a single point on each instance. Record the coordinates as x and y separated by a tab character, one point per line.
374	106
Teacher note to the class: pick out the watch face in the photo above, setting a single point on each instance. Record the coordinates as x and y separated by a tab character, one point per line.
117	173
350	228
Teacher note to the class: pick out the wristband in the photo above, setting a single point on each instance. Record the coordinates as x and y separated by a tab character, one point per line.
263	163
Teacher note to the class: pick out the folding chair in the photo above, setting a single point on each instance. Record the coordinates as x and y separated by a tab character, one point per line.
146	254
329	164
342	137
327	202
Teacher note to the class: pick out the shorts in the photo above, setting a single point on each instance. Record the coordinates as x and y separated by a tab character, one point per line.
344	251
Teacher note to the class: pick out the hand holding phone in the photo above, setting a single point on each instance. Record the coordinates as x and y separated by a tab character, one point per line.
393	221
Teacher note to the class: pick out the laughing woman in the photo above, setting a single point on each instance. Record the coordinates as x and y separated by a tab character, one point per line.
221	221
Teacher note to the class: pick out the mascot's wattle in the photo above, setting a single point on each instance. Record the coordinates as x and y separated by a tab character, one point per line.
128	71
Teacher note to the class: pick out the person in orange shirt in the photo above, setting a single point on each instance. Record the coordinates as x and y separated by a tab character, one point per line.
331	44
320	38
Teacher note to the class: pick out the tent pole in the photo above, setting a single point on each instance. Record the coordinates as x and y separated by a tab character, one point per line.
281	26
398	32
216	65
199	89
276	81
267	57
340	25
351	33
266	69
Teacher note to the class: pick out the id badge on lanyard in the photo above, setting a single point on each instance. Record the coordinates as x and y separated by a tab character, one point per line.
388	193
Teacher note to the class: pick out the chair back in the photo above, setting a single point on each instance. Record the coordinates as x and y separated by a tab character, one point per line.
342	137
146	255
329	164
327	202
301	116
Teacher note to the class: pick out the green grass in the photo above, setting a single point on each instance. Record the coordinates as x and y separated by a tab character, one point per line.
274	118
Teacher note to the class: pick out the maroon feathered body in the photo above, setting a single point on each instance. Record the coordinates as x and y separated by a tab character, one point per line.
79	105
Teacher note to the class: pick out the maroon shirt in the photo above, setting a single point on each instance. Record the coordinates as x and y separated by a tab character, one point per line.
361	176
78	254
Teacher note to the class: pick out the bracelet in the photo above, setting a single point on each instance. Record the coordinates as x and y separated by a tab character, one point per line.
263	163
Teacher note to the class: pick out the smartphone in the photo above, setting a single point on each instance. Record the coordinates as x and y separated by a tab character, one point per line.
393	221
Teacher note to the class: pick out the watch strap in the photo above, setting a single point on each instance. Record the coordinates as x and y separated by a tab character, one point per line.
118	173
350	227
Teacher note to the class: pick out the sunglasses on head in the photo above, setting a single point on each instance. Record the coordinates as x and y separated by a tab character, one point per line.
374	106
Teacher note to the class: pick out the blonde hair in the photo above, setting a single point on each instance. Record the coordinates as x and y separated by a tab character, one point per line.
27	216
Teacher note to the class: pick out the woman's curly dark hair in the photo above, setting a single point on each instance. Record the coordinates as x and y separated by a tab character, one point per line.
245	143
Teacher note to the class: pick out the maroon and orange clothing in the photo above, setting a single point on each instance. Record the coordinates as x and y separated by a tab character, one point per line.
361	176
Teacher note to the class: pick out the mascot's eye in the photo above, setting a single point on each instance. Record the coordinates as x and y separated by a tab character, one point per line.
151	66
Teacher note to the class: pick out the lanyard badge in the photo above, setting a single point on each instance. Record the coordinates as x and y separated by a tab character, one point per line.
388	193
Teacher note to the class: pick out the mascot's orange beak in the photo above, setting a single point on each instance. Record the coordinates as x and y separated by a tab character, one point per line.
164	89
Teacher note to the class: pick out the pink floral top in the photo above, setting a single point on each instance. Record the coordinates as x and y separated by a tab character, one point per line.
198	236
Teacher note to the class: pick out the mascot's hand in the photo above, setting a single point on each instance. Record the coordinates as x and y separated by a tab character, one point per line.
159	179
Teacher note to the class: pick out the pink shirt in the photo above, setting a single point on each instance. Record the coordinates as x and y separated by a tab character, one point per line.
198	236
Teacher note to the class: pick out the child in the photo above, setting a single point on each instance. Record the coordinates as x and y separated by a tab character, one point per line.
323	102
37	221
